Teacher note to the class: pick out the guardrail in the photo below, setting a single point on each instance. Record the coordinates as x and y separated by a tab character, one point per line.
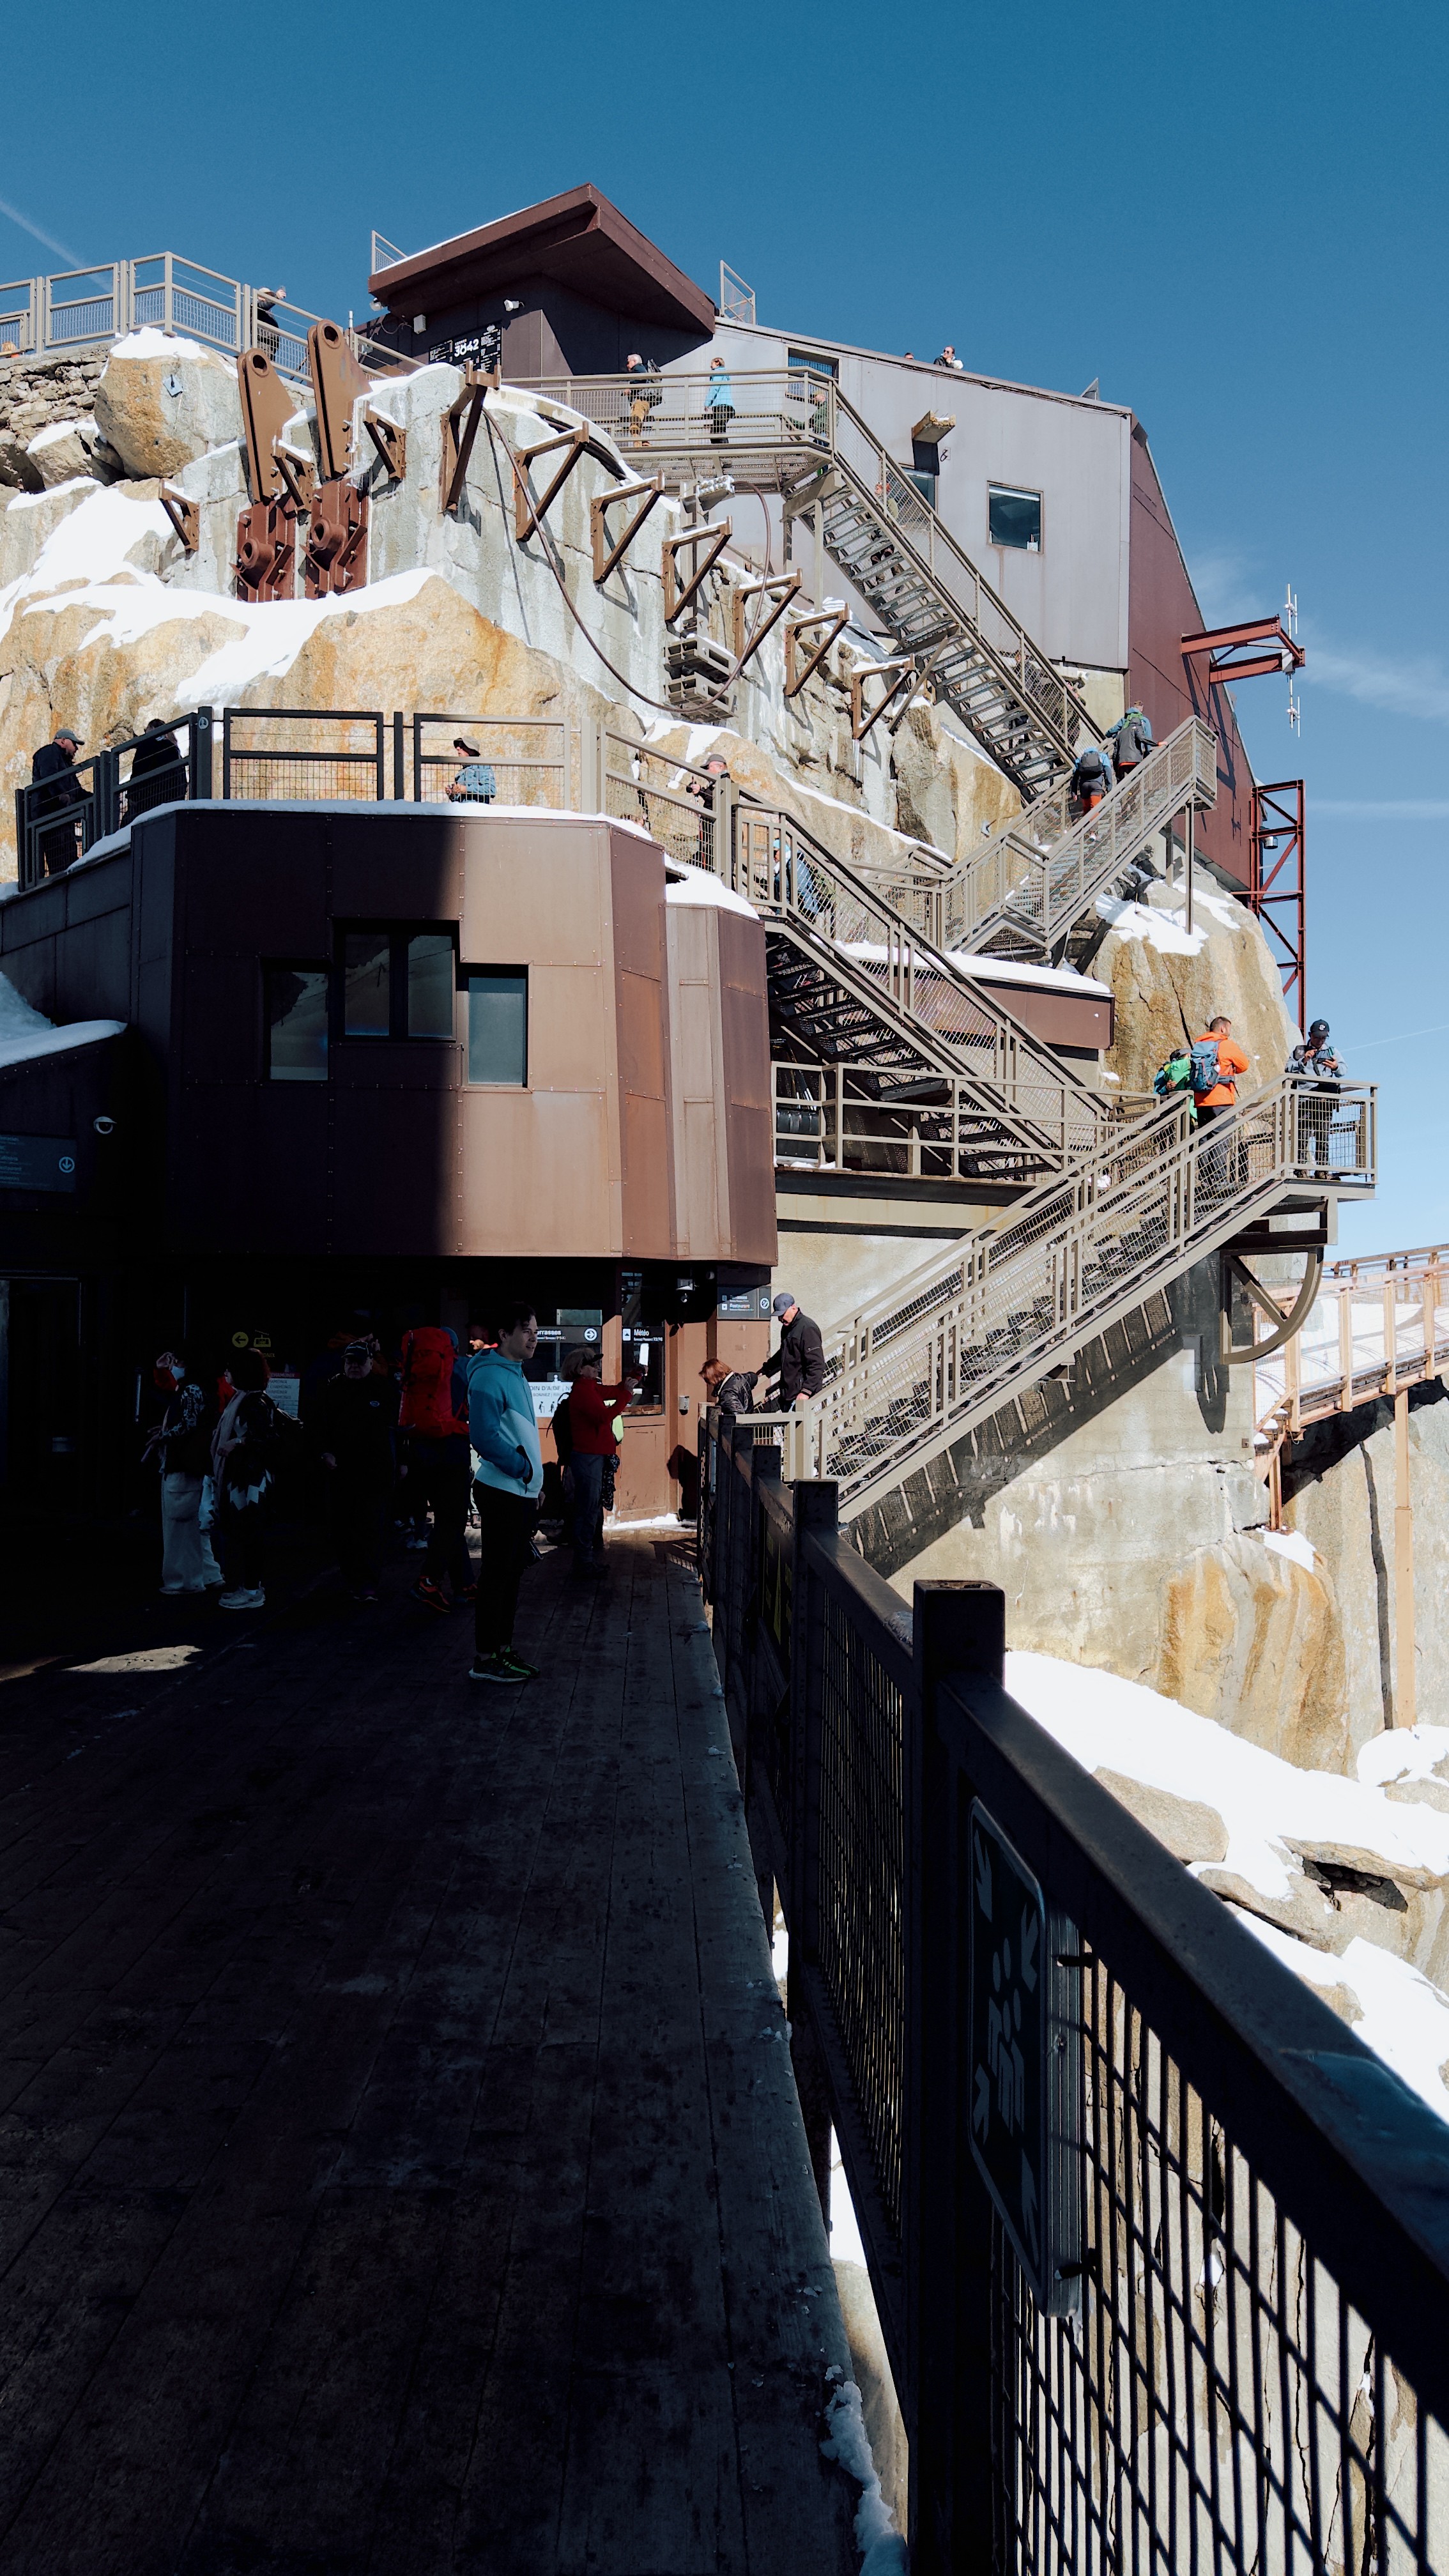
1158	2246
76	311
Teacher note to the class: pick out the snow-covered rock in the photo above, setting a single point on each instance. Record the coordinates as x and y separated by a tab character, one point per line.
1166	978
67	448
161	402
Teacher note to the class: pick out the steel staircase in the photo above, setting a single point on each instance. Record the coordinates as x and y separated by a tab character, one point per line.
920	1367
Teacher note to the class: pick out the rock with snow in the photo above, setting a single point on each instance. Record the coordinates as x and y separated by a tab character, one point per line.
67	448
161	402
1166	978
1409	1762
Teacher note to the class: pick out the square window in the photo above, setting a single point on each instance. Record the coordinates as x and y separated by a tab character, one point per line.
296	999
431	984
818	364
498	1027
366	984
1014	519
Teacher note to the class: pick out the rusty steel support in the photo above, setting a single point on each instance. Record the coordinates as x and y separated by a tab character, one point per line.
184	515
336	556
900	669
778	590
391	443
827	623
609	551
337	380
530	510
267	404
676	600
1277	893
266	552
299	476
460	428
1282	651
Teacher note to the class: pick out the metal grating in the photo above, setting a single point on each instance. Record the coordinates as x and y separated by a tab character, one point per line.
860	1928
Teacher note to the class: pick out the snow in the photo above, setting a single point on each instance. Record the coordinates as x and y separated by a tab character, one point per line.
1320	1362
992	970
1404	1753
26	1034
90	546
1158	929
1112	1725
875	2524
58	429
1404	2019
150	343
1291	1543
708	894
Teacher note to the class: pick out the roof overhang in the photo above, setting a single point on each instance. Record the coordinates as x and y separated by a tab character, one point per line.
579	239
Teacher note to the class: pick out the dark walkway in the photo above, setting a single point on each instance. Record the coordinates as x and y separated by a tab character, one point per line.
400	2168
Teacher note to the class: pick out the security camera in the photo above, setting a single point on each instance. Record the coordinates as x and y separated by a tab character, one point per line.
511	304
104	1126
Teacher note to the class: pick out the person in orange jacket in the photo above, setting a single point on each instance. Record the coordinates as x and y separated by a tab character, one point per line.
592	1412
1231	1061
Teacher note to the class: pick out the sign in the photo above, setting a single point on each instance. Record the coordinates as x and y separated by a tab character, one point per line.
548	1394
37	1162
1023	2064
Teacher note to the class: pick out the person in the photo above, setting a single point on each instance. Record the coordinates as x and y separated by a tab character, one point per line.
733	1390
1131	741
243	1449
52	766
1315	1062
181	1444
1315	1057
504	1431
1227	1061
158	772
646	393
592	1409
948	358
352	1422
719	401
433	1415
799	1362
475	783
1092	777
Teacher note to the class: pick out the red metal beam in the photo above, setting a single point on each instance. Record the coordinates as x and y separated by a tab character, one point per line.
1290	655
1276	892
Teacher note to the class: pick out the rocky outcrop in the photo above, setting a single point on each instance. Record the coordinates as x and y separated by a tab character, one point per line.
1342	1496
1168	981
36	393
162	403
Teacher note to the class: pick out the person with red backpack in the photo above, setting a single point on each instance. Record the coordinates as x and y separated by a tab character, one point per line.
433	1417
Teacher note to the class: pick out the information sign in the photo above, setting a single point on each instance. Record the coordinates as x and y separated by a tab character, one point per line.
1024	2063
37	1162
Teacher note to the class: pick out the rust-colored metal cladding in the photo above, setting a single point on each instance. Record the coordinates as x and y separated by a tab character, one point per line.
1224	642
676	600
184	515
267	404
460	428
266	552
337	380
611	550
391	443
807	641
774	595
530	509
299	476
336	555
898	674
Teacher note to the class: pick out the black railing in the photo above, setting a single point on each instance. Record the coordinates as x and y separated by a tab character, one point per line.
58	819
1162	2263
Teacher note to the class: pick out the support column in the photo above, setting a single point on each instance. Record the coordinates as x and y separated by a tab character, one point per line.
1404	1692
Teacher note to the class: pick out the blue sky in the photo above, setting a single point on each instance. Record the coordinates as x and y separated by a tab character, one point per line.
1232	215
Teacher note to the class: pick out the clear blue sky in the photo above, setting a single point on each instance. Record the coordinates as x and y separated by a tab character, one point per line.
1233	215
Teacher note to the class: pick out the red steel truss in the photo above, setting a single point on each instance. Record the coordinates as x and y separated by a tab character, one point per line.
1275	884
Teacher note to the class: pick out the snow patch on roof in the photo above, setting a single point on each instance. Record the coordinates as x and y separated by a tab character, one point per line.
706	894
1012	970
26	1033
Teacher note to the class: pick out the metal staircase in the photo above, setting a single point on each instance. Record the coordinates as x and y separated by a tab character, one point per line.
920	1367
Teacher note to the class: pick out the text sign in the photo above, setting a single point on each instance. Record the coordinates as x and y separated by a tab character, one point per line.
37	1162
1023	2064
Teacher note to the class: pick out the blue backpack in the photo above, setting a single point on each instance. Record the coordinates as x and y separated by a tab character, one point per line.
1205	1074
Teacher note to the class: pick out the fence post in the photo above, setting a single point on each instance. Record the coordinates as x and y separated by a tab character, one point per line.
959	1634
817	1515
399	759
201	772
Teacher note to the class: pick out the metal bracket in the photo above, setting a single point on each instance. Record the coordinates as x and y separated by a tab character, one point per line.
336	555
780	589
648	494
862	718
266	552
337	380
298	474
676	600
267	404
834	621
1267	1304
529	511
184	515
391	443
466	409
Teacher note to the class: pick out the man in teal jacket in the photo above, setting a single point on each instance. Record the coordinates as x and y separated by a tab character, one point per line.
503	1428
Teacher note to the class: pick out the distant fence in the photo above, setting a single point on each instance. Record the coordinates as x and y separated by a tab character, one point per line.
1159	2248
75	312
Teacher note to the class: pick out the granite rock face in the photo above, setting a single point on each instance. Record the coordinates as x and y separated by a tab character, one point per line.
162	408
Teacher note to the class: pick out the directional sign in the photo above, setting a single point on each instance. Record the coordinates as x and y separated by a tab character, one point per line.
1023	2062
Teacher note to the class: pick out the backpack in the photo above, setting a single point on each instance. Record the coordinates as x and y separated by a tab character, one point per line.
429	1356
1205	1075
1175	1075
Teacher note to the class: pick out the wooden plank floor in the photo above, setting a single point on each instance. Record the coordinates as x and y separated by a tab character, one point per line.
400	2168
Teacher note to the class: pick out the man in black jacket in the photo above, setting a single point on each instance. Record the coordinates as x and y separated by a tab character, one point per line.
799	1363
53	762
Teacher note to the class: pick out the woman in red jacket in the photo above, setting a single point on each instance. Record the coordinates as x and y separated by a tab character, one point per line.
592	1412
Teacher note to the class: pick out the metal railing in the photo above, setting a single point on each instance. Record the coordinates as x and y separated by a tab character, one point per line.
57	820
275	754
826	1120
1160	2273
530	760
1374	1327
676	801
75	311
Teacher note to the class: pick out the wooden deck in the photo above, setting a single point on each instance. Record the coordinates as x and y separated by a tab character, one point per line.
400	2168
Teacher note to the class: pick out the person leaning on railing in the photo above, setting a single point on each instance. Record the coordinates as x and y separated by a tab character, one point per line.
475	783
50	770
799	1363
1314	1062
719	401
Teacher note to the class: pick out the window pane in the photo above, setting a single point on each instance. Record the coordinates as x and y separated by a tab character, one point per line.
498	1028
1014	519
297	1023
365	984
430	985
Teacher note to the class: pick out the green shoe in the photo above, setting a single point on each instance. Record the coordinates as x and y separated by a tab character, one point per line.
518	1670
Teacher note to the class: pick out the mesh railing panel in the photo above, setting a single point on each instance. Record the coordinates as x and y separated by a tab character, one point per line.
672	800
1214	2402
529	762
271	755
860	1929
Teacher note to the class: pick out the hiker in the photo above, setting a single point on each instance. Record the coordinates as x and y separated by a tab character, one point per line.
243	1452
1315	1063
719	401
158	771
1216	1063
51	768
353	1420
1314	1056
475	783
504	1432
733	1390
799	1363
592	1409
1091	778
181	1444
646	393
433	1417
1131	741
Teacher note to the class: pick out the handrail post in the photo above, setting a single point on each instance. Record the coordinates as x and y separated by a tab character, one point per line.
201	755
816	1514
399	758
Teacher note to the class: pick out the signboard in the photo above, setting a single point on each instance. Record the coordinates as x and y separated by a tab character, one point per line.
1023	2064
37	1162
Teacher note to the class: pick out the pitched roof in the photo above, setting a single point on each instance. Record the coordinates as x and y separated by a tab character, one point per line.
579	239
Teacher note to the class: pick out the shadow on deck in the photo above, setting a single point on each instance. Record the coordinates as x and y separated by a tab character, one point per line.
402	2165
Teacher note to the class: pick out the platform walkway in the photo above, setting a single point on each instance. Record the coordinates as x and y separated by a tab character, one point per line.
400	2167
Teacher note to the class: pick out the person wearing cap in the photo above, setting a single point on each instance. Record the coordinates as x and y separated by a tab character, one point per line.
799	1363
51	768
475	783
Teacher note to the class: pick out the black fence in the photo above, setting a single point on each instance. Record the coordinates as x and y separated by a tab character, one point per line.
58	819
1160	2250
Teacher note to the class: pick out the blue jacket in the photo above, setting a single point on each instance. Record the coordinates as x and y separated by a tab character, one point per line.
502	1424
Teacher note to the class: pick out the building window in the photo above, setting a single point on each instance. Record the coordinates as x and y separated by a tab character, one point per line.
296	999
1014	518
812	359
396	983
366	984
498	1026
431	983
